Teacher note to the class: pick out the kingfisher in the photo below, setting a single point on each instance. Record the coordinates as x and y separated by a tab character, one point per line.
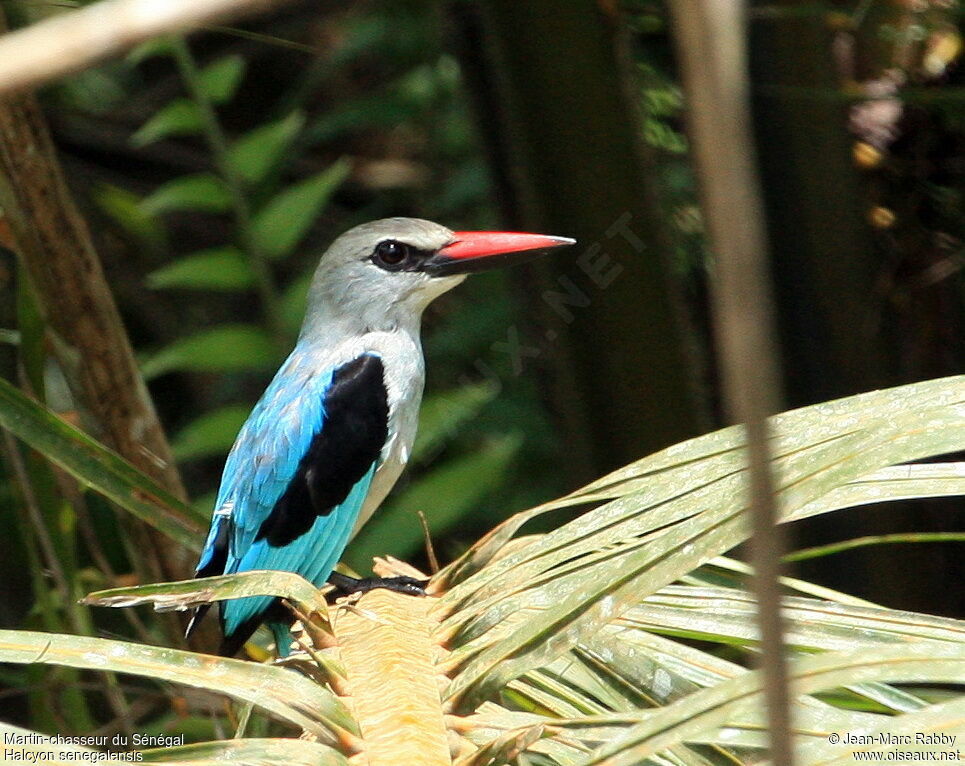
334	429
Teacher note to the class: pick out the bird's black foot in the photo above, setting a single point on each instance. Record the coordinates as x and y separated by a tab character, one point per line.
346	586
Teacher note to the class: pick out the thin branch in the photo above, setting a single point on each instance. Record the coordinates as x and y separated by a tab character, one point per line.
710	37
72	41
430	549
103	565
48	549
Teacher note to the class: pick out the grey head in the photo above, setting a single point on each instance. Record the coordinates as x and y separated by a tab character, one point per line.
382	275
374	275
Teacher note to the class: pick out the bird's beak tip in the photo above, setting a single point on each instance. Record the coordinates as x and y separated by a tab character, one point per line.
478	250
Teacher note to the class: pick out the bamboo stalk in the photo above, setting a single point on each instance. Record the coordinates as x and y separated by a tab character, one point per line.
710	37
72	41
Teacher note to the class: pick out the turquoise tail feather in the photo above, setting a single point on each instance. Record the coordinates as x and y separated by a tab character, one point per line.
313	556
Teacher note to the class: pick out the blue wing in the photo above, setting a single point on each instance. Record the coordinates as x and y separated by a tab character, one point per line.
296	479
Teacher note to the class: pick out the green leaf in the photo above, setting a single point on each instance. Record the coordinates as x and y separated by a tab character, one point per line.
124	207
945	718
658	669
703	463
203	504
904	482
179	118
256	153
462	482
219	268
726	615
445	413
384	109
186	594
201	192
728	572
220	79
286	219
211	434
294	301
33	334
713	708
228	348
674	511
286	695
95	466
156	46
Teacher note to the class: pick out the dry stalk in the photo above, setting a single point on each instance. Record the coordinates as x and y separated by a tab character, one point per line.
390	661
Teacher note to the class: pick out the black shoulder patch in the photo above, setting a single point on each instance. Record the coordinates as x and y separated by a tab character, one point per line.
354	429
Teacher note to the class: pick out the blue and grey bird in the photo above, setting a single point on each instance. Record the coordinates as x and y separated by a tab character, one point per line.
334	429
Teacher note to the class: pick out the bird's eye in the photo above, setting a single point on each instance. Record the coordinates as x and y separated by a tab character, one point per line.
391	254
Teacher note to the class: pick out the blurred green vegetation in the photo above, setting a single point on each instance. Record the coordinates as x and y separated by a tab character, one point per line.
270	186
213	183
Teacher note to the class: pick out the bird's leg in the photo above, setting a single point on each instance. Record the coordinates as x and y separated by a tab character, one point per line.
345	585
